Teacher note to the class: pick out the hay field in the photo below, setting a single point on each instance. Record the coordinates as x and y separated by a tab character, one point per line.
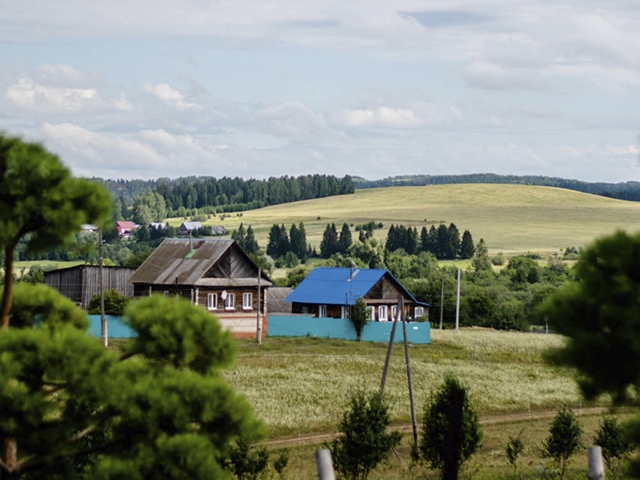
299	386
511	218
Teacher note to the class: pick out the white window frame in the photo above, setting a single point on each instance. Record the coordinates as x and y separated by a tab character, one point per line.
230	301
212	301
418	312
344	311
247	301
394	312
371	312
322	311
383	311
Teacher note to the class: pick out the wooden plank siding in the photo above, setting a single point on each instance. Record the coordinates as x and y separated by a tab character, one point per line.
82	282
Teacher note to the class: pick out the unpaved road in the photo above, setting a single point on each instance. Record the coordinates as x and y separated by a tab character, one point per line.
486	420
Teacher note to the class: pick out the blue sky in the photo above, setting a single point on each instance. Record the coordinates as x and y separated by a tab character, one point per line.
149	89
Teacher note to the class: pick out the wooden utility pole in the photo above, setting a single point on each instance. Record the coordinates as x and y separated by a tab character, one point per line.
389	348
458	303
410	383
441	301
258	320
103	321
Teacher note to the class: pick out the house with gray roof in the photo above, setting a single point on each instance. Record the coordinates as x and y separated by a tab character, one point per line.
213	273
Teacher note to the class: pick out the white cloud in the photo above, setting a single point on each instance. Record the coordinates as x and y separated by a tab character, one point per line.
29	95
170	96
380	117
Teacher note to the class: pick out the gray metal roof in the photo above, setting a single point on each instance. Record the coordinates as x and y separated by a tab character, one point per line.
174	262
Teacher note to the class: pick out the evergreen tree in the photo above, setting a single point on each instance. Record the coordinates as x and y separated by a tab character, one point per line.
454	242
298	239
411	245
564	438
250	242
442	244
481	261
466	246
239	236
345	240
391	244
329	243
364	442
283	242
450	429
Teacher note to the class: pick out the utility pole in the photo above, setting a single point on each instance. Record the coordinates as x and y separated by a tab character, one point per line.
441	300
414	423
103	320
458	303
258	322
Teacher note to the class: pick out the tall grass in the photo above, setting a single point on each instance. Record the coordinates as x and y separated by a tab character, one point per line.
302	385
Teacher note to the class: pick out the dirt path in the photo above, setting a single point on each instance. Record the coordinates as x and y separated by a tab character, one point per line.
485	420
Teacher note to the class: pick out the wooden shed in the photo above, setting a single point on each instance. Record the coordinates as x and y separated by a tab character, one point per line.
82	282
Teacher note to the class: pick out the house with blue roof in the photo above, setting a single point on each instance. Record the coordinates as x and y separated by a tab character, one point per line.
330	292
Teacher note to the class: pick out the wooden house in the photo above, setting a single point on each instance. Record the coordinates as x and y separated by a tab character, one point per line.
213	273
187	227
82	282
329	292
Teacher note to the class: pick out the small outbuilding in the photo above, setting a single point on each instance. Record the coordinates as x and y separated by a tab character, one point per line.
329	292
82	282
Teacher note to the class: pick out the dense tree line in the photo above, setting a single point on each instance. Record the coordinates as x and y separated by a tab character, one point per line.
252	193
622	190
443	242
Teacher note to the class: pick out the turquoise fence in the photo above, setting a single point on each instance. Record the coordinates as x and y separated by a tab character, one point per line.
342	328
116	327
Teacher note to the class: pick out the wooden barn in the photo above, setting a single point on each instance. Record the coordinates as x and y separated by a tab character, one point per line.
330	292
213	273
82	282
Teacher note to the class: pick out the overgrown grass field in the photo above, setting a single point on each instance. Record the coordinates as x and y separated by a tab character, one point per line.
510	218
301	386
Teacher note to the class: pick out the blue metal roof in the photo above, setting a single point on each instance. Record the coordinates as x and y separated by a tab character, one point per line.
339	286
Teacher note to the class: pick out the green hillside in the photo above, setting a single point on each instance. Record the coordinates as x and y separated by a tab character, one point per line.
511	218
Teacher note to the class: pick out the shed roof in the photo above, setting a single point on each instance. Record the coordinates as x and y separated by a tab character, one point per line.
190	226
184	261
340	286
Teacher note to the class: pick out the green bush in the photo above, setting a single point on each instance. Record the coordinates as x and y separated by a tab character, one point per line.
114	303
564	438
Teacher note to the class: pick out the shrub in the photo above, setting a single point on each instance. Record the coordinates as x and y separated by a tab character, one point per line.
615	446
564	438
114	303
281	462
247	462
515	447
450	429
359	317
364	442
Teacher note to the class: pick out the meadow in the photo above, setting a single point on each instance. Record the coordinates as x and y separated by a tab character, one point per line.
510	218
299	388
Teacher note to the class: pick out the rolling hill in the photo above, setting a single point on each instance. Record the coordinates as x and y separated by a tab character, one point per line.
511	218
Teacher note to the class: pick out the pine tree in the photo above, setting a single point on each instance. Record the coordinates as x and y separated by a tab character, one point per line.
239	236
329	243
250	242
345	240
411	246
454	242
466	246
283	242
298	240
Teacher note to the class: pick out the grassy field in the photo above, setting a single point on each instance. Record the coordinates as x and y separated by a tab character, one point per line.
511	218
300	387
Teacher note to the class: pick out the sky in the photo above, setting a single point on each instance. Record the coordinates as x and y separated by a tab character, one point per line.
127	89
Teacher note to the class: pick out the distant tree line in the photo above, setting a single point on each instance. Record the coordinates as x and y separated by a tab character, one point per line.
622	190
213	195
443	242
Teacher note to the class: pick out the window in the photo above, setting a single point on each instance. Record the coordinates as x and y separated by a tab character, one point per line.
382	313
344	312
371	313
322	311
230	301
394	312
212	301
247	301
418	312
